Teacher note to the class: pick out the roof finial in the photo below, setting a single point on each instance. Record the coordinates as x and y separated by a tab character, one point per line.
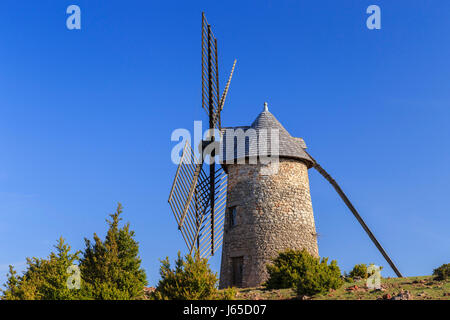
266	108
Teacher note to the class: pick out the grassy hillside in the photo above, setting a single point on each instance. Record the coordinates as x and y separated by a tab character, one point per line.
412	288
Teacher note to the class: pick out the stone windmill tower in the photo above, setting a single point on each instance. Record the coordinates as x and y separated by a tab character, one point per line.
267	211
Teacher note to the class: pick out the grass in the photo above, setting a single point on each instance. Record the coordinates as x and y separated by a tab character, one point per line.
420	288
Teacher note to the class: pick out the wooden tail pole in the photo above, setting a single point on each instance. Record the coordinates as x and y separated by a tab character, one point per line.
341	193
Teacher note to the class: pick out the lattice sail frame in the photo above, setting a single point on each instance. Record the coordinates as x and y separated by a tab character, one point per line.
213	225
210	75
200	229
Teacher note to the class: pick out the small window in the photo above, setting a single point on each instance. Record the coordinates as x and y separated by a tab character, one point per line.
232	216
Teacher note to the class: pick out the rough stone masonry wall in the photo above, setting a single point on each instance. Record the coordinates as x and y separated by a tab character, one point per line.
274	213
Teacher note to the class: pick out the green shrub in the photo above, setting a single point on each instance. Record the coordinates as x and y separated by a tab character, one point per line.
44	278
227	294
192	279
308	274
442	272
285	269
346	277
320	278
109	269
359	271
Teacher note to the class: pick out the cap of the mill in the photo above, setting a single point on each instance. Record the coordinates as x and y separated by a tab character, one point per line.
266	108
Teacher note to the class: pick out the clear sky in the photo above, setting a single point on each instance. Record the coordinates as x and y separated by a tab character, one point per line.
86	117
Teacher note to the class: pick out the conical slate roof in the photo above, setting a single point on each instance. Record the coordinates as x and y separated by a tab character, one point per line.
261	139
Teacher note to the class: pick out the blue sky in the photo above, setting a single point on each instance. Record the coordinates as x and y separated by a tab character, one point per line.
86	118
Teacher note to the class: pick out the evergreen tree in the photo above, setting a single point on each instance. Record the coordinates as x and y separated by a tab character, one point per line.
111	269
44	279
191	279
12	286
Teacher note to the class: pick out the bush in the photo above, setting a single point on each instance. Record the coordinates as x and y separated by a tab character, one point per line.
227	294
109	269
320	278
306	273
442	272
346	277
192	279
359	271
285	270
44	279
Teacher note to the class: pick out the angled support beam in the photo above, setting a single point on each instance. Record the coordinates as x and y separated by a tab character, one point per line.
341	193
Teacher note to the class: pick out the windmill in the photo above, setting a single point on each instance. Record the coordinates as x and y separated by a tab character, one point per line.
198	197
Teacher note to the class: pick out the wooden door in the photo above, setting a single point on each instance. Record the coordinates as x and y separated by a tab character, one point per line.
237	269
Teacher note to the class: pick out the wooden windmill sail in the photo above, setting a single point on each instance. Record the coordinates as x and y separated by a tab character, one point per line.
199	190
198	195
